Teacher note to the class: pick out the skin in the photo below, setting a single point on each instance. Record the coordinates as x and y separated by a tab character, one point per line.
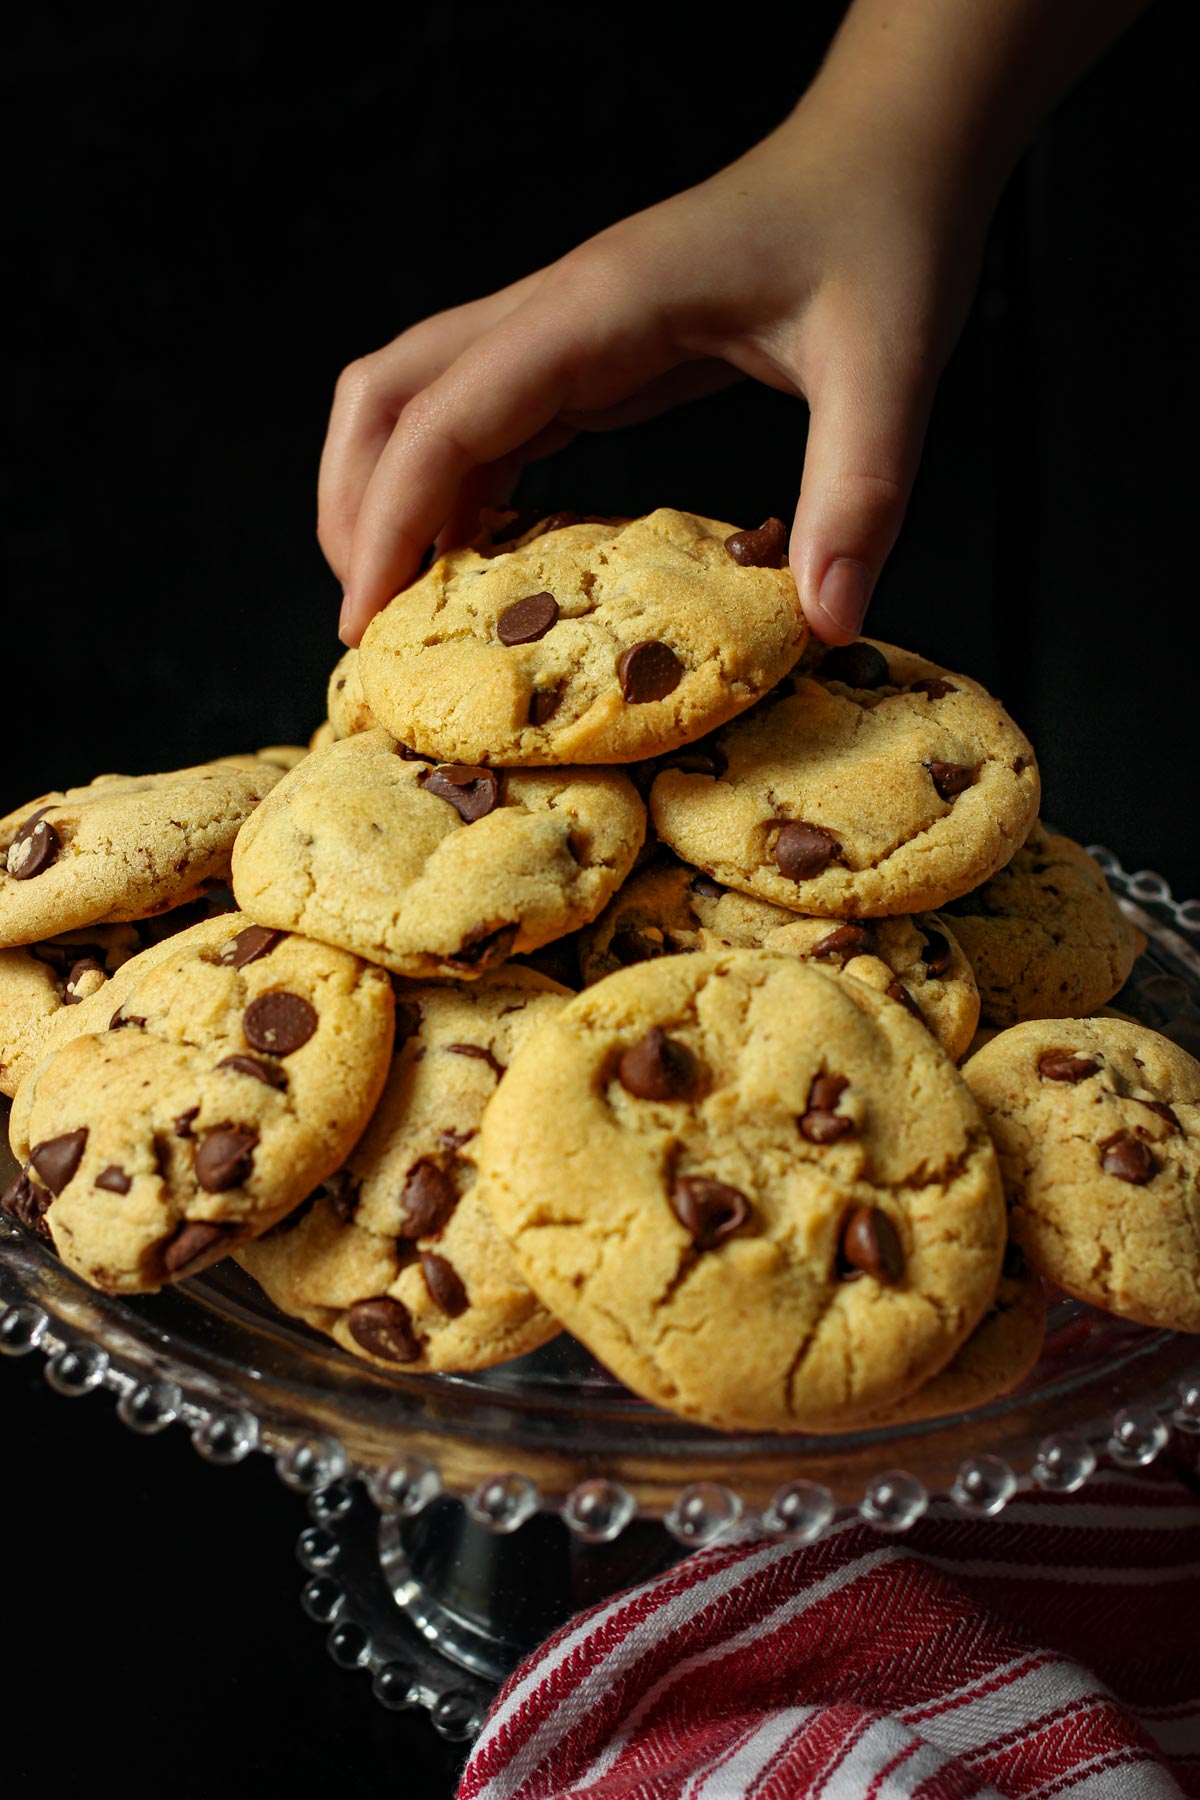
836	260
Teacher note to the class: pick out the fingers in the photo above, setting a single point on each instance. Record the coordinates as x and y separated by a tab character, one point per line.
869	410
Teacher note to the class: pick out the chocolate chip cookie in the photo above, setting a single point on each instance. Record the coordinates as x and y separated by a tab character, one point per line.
760	1196
1097	1124
37	980
670	908
591	642
234	1075
872	782
1045	935
397	1259
345	701
121	848
435	868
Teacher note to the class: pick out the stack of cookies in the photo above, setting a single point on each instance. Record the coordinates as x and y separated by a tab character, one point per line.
606	965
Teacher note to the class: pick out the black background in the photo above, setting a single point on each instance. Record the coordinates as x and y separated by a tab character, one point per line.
207	223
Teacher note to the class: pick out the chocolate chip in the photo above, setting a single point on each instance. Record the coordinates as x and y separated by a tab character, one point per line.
870	1243
937	954
483	947
428	1199
1164	1112
183	1122
63	957
630	946
1128	1158
477	1050
543	704
826	1091
454	1140
896	990
822	1123
858	665
444	1283
160	1148
114	1180
711	1210
933	687
1063	1065
527	620
34	848
472	792
407	755
383	1327
198	1241
28	1204
408	1022
279	1023
658	1067
249	945
56	1159
951	778
225	1158
87	965
759	549
1014	1260
710	761
344	1194
1019	765
706	886
269	1073
121	1019
648	671
845	940
803	850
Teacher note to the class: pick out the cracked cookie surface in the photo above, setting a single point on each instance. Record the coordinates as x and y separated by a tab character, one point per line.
595	642
236	1072
398	1260
1045	935
123	847
435	869
1097	1125
668	908
873	782
758	1195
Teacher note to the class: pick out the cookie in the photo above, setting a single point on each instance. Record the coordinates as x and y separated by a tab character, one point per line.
760	1196
595	642
38	980
872	783
1045	935
279	756
434	869
121	848
345	702
323	736
234	1075
670	907
1097	1124
398	1260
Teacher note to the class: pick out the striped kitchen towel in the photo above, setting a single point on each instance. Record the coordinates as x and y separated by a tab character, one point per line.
1052	1651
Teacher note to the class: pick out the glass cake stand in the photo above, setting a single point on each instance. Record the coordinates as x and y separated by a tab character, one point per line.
456	1520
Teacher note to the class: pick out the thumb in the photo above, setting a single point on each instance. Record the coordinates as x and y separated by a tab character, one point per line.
865	434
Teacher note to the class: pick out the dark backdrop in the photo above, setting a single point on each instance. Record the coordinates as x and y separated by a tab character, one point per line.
208	222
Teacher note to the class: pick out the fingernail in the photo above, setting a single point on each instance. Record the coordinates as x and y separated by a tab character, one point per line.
843	596
344	615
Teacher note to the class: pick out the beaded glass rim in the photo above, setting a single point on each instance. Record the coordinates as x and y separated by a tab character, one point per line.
241	1383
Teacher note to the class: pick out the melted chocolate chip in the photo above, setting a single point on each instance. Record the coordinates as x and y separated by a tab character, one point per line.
648	671
279	1023
269	1073
937	954
483	947
658	1067
706	886
933	687
428	1199
384	1328
543	704
249	945
1063	1065
951	778
87	965
711	1210
197	1242
121	1019
183	1122
527	620
27	1203
444	1283
472	792
871	1244
1019	765
858	665
56	1159
114	1180
1164	1112
483	1055
225	1158
34	848
344	1194
822	1123
845	940
802	851
759	549
896	990
1129	1159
